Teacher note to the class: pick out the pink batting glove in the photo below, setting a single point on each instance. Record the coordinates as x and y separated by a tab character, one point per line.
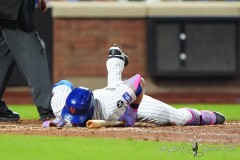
129	117
57	122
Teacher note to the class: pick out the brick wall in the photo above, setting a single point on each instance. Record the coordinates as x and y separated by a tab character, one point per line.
81	45
80	51
81	48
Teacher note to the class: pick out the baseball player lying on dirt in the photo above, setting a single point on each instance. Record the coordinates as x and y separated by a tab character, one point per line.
120	101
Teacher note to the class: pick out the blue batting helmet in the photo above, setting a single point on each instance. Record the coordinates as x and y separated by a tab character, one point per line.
79	106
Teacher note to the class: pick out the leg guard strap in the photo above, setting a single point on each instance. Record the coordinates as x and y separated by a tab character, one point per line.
207	118
195	117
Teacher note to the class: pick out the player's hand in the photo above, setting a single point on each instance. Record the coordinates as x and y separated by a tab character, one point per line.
42	5
57	122
129	117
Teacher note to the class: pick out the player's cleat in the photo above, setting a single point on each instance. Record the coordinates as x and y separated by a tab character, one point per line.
6	115
220	119
115	51
205	117
209	117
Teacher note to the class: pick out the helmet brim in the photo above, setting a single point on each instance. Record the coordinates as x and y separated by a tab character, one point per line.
74	119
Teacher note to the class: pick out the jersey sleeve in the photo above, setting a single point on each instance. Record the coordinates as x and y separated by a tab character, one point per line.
60	93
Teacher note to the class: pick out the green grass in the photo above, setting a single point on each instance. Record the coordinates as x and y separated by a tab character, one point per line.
64	148
26	111
27	147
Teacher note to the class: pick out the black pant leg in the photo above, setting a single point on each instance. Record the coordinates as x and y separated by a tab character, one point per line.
6	64
30	57
25	15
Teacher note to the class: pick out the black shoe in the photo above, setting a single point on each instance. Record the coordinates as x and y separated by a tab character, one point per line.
6	115
208	117
116	52
220	119
45	113
49	116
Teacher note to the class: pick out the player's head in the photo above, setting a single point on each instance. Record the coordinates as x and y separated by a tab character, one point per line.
79	107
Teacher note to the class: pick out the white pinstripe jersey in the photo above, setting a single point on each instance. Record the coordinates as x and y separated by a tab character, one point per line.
110	102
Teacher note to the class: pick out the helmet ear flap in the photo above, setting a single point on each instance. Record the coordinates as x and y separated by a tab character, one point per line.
79	106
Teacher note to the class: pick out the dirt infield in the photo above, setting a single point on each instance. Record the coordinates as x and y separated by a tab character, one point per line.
229	133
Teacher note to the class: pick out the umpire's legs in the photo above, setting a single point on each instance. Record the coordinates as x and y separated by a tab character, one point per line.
6	67
29	55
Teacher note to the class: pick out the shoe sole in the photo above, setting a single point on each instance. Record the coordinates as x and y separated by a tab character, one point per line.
118	54
220	119
3	119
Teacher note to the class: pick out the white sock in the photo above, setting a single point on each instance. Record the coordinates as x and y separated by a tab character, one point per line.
115	67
